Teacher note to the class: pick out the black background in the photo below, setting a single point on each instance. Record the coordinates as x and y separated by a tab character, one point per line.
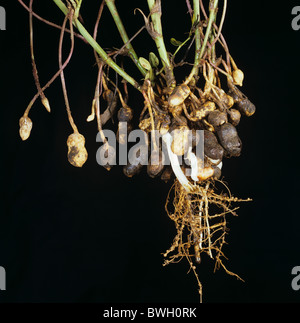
88	235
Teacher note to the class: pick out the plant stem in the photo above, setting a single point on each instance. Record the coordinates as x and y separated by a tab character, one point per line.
53	78
221	22
212	17
114	12
76	13
196	18
213	4
212	49
69	17
34	68
106	59
47	22
155	11
190	10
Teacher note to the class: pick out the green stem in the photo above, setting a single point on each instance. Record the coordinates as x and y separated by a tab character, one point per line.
114	12
212	17
105	58
213	4
77	9
196	18
155	11
180	46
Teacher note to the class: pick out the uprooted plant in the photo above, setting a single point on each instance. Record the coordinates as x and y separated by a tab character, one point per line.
197	203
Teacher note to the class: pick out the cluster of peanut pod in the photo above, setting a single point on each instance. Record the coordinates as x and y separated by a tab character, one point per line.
188	108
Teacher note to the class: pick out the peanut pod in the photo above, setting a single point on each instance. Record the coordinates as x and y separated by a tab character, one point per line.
212	148
230	140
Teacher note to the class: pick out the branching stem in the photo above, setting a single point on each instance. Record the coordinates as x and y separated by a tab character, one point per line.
155	12
213	5
106	59
34	68
114	12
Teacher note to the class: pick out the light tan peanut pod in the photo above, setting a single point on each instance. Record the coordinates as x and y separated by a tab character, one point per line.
77	154
25	127
180	143
238	77
179	94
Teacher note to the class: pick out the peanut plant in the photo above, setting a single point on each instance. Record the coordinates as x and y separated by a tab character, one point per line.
206	106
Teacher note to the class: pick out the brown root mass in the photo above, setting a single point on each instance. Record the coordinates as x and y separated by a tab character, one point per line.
198	229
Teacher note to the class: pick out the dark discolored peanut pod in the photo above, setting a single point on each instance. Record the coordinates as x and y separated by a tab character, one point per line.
230	140
217	172
235	95
156	163
137	158
177	121
234	116
217	118
212	148
246	107
108	95
112	99
130	170
125	113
